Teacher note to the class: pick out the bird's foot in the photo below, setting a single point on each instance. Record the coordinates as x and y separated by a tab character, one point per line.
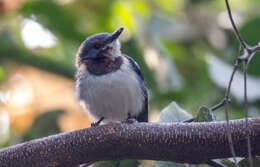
94	124
130	119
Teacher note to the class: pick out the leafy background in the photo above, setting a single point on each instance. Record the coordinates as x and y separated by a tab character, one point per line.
185	49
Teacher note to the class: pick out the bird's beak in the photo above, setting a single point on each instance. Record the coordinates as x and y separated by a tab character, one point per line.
107	41
113	36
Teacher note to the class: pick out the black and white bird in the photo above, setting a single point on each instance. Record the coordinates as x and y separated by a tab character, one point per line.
109	84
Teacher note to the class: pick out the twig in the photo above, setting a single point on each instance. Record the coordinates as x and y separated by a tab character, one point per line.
227	99
239	37
255	48
238	62
245	64
249	52
230	141
219	105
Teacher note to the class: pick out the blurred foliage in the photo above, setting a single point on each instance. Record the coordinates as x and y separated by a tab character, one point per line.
59	20
1	74
131	46
249	31
171	40
45	125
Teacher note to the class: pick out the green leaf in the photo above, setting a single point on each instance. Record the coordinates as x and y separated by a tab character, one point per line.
169	164
172	164
124	163
205	115
106	163
245	162
174	113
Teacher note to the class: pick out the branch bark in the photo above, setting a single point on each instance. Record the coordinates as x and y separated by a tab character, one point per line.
178	142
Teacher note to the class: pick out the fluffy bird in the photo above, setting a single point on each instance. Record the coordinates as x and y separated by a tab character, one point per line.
109	84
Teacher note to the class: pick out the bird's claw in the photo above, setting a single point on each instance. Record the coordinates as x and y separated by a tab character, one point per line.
130	119
95	124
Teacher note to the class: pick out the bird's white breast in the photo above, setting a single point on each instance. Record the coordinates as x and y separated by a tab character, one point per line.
112	95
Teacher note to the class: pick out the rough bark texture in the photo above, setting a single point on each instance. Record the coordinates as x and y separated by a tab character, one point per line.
179	142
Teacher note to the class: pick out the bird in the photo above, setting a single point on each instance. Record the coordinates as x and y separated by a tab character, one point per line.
110	86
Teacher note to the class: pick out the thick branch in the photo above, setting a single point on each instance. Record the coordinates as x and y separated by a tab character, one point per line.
179	142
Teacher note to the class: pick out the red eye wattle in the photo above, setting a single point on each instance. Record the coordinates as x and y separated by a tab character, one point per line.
97	44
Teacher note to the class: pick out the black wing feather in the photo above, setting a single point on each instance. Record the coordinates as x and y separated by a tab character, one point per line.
143	116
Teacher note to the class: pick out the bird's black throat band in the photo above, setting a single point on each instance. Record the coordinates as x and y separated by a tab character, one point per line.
103	65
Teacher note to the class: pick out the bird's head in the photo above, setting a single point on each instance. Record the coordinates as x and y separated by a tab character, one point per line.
100	46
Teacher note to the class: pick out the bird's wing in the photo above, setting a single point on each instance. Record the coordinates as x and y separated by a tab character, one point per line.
143	116
79	85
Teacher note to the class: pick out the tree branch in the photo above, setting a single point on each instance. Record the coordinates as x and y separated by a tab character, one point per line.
178	142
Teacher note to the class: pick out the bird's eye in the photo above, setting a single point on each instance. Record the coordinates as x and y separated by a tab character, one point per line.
97	44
